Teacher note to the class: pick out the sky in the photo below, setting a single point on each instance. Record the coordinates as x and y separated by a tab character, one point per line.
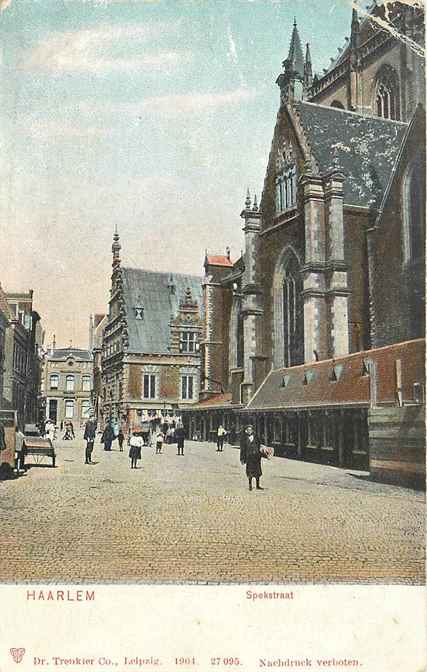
152	116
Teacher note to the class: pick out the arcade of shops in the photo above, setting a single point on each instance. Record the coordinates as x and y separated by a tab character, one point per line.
362	411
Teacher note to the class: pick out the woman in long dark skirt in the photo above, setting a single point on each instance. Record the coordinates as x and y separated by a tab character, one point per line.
250	454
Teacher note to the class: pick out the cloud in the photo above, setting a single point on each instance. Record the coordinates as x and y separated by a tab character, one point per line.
90	51
113	2
172	105
196	102
50	129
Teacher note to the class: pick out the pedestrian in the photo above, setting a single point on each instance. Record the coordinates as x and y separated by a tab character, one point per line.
89	437
19	451
121	438
2	437
71	428
250	454
160	437
180	437
135	444
67	434
221	433
107	436
51	431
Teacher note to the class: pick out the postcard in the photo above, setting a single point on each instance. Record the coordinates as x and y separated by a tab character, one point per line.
212	335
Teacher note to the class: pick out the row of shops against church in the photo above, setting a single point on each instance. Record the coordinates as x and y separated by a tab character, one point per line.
315	334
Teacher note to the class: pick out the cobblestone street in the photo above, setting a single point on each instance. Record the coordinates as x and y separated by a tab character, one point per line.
192	518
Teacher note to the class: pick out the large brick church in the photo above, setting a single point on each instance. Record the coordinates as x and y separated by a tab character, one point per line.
316	333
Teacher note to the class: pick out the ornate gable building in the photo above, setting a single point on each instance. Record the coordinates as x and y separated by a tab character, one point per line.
150	352
333	262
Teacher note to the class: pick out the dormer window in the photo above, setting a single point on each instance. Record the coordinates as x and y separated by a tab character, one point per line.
366	367
187	341
309	377
285	381
286	188
335	373
139	313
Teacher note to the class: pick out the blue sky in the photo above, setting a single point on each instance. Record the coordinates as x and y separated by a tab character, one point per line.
153	116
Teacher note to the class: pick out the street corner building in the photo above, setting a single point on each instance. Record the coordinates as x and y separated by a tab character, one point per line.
150	362
67	385
316	334
21	361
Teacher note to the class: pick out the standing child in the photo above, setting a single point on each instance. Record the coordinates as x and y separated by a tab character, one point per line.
135	444
121	438
160	437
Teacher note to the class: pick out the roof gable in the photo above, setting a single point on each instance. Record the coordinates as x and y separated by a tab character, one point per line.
364	148
159	294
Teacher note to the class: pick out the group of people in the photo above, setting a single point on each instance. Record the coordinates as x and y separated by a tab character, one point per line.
251	450
136	440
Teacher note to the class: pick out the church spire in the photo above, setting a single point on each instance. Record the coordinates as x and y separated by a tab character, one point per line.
293	70
115	248
308	71
295	60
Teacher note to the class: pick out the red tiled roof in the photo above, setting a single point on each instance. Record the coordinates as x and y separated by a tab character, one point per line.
219	261
215	400
342	382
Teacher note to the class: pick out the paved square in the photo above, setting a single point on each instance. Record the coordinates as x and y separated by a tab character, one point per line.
192	518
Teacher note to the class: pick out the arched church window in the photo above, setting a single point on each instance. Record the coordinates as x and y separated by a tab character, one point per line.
387	94
293	311
286	188
414	211
240	341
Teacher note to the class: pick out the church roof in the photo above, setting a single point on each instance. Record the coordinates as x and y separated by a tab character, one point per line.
363	148
159	294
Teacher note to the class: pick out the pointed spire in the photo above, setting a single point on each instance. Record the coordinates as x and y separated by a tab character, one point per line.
255	205
355	29
248	201
308	70
115	248
295	60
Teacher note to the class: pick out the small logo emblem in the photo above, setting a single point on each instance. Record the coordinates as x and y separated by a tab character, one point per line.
17	654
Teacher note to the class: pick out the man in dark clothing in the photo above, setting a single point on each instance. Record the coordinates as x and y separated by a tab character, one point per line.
108	436
180	436
2	437
250	454
89	437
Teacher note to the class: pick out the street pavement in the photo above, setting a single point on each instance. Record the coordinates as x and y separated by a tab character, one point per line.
192	518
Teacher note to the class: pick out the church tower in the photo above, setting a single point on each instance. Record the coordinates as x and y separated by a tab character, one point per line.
291	80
